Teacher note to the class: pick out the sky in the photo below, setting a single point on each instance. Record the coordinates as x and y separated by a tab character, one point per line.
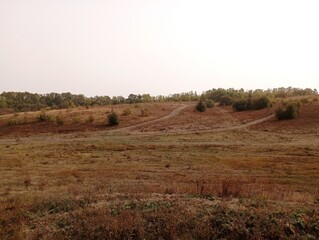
160	47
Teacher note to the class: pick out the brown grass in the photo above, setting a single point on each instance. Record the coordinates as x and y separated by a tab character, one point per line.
80	119
246	184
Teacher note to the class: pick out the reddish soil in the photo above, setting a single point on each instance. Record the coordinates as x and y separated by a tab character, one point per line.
306	122
77	120
188	119
214	118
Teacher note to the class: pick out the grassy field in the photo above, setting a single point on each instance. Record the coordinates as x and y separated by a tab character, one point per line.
255	183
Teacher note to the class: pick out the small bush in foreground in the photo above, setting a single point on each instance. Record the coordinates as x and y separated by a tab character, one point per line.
201	107
112	119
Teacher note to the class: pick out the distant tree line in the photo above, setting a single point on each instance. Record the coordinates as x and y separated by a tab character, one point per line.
25	101
227	96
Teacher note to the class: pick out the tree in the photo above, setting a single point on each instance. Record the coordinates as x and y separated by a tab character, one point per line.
113	119
3	103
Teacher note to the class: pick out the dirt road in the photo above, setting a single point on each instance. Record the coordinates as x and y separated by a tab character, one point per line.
173	113
237	126
176	111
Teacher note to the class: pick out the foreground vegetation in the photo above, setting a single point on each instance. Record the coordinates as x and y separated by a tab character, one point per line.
80	186
191	176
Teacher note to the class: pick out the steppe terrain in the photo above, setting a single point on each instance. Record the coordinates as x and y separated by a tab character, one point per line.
213	175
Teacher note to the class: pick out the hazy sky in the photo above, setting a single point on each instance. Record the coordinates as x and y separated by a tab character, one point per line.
118	47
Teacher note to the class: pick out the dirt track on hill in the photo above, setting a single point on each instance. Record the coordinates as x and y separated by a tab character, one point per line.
176	111
172	114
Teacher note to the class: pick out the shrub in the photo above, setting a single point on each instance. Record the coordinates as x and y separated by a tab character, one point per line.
201	107
241	105
45	117
209	104
59	121
291	111
90	119
226	100
42	117
13	122
260	103
247	104
127	111
113	119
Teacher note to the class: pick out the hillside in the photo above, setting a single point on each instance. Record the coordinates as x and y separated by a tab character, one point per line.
189	176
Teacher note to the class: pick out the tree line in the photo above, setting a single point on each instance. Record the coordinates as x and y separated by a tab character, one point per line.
25	101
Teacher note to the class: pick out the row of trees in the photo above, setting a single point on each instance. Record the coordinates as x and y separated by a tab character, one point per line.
25	101
227	96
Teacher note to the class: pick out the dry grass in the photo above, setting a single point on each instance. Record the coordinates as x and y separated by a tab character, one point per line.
80	119
246	184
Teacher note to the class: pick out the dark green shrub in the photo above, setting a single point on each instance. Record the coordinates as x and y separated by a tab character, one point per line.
226	100
260	103
291	111
201	106
241	105
113	119
210	104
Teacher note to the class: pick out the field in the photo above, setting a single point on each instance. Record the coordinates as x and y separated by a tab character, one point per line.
190	175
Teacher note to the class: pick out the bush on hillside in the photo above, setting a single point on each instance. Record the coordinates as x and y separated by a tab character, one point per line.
127	111
290	111
201	106
112	119
226	100
251	104
210	104
43	117
241	105
260	103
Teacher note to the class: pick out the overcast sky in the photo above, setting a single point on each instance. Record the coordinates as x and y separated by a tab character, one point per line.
118	47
